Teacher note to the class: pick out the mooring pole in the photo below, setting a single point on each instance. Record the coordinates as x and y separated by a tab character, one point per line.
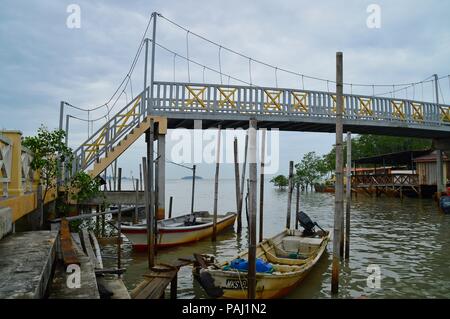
119	224
150	256
297	205
140	177
194	168
348	195
261	185
339	188
151	220
239	224
216	185
236	179
136	207
289	204
170	206
252	213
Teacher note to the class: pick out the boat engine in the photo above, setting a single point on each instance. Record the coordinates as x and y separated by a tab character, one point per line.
307	224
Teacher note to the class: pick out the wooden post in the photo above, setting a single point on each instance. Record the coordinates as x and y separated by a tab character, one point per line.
140	177
289	204
237	180
261	186
252	213
297	205
150	182
216	186
150	255
136	208
348	195
194	167
339	196
244	166
173	287
170	206
119	224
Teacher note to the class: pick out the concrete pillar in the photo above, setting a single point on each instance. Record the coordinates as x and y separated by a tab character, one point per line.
161	182
439	172
15	184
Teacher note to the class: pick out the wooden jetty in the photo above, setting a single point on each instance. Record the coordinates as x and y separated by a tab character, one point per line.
158	279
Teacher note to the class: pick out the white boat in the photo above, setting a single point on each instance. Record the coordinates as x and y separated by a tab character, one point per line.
178	230
291	254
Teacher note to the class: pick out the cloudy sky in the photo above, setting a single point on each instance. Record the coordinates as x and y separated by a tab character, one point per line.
42	61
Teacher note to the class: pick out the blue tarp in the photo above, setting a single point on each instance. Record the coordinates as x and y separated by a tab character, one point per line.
242	265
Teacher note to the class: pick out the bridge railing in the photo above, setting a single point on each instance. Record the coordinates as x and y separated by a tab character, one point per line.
110	134
235	99
5	164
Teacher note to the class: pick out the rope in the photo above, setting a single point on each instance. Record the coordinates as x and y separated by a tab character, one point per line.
270	65
187	55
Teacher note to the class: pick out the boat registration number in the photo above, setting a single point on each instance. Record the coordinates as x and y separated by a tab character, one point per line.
236	284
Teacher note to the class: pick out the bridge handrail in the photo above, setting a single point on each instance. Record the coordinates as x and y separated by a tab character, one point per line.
209	97
110	133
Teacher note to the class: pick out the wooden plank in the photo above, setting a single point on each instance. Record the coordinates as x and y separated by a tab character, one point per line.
68	252
98	253
87	247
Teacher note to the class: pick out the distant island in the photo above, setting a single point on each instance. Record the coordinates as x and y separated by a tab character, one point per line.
190	177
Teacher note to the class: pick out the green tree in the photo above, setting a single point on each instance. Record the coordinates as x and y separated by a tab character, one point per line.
280	181
310	169
49	151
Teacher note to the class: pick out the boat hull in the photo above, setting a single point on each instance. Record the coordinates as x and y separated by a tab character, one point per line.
170	237
233	284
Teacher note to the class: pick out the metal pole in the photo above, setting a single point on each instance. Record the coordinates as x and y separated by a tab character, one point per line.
289	204
348	195
119	224
252	206
67	129
236	179
239	224
194	167
61	114
152	72
436	88
261	186
145	76
216	186
339	200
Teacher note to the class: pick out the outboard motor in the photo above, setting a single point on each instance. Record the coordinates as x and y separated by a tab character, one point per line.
307	224
190	220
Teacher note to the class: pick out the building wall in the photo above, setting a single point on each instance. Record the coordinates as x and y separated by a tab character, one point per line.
427	172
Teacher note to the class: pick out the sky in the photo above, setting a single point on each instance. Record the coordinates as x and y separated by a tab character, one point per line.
43	61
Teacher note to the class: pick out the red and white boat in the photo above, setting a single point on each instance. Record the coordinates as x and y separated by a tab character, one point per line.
178	230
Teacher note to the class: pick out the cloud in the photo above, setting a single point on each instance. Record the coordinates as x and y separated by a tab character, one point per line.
43	62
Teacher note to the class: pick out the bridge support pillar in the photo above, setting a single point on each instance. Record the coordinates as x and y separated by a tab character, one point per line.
161	182
15	185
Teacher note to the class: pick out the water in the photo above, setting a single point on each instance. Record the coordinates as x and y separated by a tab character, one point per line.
409	240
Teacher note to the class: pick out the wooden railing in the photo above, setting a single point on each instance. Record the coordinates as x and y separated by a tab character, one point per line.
385	180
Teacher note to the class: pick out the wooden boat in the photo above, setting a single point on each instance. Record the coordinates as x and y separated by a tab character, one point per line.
291	254
177	230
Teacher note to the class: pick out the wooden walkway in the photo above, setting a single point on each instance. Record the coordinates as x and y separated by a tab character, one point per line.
158	279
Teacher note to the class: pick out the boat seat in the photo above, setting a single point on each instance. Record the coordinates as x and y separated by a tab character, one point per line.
302	245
